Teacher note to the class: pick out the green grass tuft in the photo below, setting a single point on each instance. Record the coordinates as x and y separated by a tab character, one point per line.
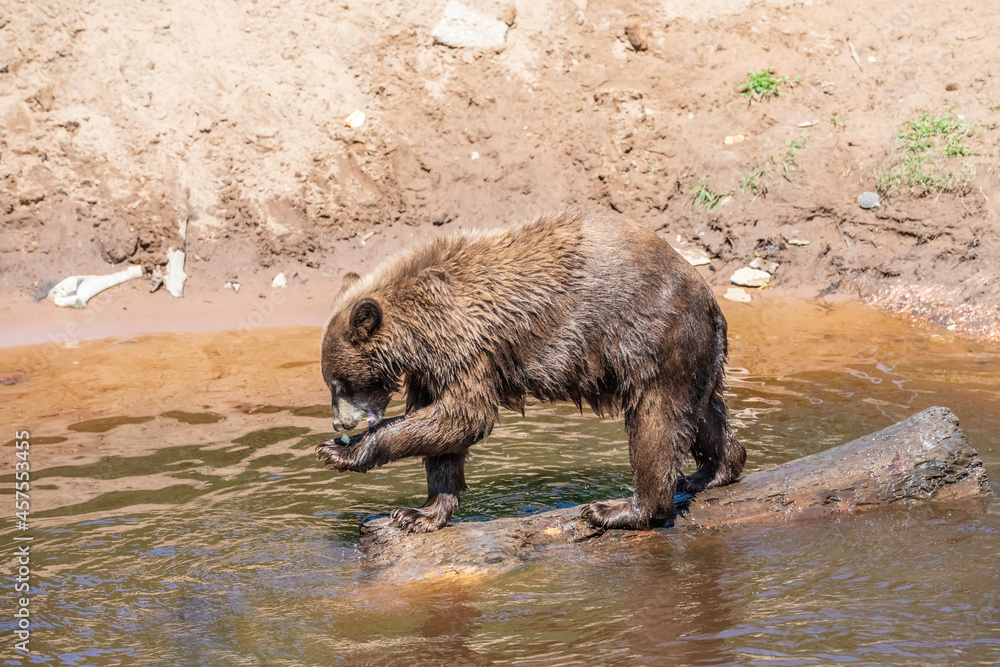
926	148
763	84
752	181
706	197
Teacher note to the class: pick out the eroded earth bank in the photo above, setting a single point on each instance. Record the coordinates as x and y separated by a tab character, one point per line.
120	122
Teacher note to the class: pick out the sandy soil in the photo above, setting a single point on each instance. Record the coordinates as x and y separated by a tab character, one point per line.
120	121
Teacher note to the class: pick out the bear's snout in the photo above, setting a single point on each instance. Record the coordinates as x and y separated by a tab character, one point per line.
339	426
347	414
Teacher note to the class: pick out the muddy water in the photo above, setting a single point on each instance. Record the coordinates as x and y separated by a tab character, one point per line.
179	516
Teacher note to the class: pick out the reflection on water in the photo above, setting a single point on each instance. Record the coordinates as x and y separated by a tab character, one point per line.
180	517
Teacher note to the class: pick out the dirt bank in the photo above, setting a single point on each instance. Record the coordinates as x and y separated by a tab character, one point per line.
119	122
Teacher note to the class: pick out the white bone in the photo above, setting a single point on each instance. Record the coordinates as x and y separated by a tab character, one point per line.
175	277
75	291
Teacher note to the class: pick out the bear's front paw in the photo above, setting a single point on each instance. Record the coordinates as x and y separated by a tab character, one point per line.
412	520
340	456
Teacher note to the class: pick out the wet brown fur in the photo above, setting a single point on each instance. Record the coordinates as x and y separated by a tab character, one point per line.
570	306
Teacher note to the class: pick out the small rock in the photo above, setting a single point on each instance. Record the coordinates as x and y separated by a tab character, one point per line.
8	379
797	242
636	36
279	281
737	294
355	120
507	12
463	28
748	277
764	265
155	280
693	257
734	139
867	200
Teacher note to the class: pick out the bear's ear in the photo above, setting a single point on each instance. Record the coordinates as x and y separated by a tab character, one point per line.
366	318
349	279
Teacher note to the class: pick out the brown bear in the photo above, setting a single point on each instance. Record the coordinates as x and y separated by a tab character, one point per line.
570	306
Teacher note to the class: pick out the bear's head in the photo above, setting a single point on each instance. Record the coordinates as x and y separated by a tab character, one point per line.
359	385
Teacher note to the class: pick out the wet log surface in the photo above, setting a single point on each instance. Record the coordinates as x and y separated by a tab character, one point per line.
923	458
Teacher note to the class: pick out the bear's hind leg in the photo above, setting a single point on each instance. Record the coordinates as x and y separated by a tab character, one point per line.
445	484
719	455
658	431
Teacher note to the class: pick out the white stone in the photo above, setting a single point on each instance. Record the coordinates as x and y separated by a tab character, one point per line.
737	294
463	28
693	257
764	265
747	277
279	281
355	120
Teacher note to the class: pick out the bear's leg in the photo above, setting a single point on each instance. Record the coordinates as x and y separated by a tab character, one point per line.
719	455
431	431
445	484
658	430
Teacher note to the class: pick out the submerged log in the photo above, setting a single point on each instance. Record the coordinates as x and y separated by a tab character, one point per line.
923	458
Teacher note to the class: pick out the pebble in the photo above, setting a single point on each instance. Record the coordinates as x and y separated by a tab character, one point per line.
636	36
747	277
737	294
763	265
156	279
460	27
867	200
507	12
11	378
279	281
355	120
693	257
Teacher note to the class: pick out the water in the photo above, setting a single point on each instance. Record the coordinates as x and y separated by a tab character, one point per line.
179	516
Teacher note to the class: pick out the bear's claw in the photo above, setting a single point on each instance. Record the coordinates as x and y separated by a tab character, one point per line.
412	520
336	455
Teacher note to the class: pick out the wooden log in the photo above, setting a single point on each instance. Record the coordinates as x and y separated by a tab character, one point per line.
923	458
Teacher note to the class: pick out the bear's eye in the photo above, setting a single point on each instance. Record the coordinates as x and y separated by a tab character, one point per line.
337	387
